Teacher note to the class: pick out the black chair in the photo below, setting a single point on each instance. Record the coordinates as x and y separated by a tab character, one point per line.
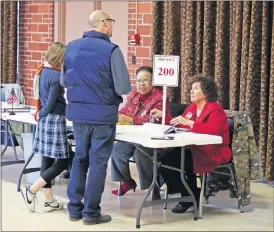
229	166
11	139
176	108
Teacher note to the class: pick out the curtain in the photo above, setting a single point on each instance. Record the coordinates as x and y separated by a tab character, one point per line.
8	41
232	41
167	32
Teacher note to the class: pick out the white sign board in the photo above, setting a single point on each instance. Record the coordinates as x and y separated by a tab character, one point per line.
165	70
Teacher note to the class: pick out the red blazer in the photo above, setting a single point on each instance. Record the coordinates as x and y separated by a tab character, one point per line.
139	106
213	121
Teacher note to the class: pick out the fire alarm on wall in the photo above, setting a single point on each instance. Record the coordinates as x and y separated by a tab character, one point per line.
134	39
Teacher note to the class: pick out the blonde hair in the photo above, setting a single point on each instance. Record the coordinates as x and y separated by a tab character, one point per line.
97	17
55	54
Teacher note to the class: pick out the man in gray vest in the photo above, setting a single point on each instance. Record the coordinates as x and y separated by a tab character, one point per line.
96	76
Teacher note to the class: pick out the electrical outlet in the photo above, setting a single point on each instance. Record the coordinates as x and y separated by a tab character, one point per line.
133	59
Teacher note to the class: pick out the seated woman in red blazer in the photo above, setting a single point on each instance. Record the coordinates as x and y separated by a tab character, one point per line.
204	115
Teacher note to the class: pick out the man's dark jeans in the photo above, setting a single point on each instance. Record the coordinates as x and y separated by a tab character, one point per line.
94	144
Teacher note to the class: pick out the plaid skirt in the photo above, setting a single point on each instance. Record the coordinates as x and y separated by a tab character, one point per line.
51	137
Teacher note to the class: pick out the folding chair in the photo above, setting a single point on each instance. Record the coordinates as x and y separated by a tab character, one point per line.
8	136
229	166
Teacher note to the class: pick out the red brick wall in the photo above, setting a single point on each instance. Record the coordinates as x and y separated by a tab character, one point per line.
36	32
142	51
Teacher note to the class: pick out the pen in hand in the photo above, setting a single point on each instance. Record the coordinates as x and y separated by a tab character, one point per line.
156	114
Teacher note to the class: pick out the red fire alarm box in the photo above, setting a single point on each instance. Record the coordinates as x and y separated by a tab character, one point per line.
134	39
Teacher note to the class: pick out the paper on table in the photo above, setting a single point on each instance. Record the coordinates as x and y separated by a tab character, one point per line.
157	129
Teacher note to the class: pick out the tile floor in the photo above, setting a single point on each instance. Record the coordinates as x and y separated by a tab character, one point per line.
220	215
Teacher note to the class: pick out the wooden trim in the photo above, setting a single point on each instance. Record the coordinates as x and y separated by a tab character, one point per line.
60	22
97	5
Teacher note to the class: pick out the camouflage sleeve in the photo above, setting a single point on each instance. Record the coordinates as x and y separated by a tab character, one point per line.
254	163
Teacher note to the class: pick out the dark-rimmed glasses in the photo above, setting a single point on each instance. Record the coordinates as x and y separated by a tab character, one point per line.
143	81
111	20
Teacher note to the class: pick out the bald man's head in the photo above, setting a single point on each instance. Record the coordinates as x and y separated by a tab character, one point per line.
101	21
96	17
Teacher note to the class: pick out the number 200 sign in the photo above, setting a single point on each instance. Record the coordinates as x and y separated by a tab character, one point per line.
165	70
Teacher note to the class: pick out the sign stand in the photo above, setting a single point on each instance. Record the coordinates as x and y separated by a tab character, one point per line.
12	112
163	136
165	73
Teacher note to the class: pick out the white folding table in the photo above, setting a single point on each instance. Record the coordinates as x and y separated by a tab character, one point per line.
5	107
24	118
140	137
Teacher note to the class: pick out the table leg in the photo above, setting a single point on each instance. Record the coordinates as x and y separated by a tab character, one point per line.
6	163
23	171
155	173
6	138
186	184
13	146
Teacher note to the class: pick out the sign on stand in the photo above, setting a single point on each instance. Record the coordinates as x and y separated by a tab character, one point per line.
165	70
166	74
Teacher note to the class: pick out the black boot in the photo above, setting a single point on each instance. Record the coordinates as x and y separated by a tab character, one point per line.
182	207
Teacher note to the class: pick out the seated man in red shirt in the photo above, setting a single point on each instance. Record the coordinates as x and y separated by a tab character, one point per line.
136	111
